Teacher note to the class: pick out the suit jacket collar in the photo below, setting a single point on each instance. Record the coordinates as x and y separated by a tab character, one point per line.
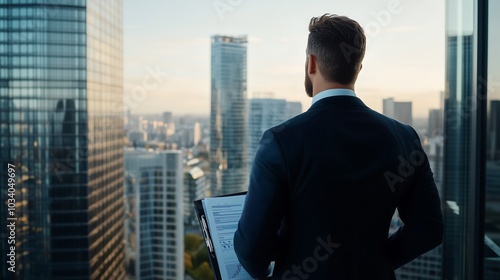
339	102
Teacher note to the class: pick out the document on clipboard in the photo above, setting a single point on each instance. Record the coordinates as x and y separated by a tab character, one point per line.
218	217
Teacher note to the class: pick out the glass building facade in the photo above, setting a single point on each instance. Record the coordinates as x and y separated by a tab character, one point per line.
228	115
471	163
60	125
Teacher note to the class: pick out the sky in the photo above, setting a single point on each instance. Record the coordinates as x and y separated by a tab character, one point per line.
167	50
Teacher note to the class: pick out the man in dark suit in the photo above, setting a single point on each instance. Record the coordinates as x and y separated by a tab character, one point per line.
325	184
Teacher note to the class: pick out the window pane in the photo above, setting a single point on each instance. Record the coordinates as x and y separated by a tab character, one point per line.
457	260
492	207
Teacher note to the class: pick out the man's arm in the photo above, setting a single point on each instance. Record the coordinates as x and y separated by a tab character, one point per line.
255	240
420	211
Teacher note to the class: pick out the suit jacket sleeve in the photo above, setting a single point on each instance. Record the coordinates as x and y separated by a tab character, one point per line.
255	240
420	212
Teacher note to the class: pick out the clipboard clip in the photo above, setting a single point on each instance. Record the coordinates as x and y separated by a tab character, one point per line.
208	241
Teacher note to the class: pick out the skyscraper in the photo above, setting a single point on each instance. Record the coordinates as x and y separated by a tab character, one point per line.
264	113
195	186
60	126
388	107
228	115
435	123
156	187
167	117
401	111
293	109
196	133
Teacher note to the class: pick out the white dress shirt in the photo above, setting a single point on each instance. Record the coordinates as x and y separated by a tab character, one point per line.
333	92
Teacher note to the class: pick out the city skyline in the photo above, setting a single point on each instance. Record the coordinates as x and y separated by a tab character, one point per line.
83	165
276	50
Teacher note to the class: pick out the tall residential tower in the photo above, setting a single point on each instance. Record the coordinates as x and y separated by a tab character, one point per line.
155	228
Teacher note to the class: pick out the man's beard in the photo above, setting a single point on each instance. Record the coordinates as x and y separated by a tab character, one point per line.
308	85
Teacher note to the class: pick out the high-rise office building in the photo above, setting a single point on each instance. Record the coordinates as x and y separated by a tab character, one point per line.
60	126
188	135
401	111
196	133
167	117
388	107
436	123
264	113
195	186
228	115
293	109
155	183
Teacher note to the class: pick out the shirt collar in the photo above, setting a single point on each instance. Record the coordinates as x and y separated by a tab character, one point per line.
333	92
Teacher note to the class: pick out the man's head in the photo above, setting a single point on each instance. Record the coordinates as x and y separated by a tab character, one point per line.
335	50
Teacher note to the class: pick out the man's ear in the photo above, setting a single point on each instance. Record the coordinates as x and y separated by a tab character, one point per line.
360	66
312	65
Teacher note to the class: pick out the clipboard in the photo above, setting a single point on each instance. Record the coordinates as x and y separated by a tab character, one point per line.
201	215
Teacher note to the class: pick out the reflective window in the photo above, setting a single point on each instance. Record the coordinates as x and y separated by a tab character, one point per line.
492	197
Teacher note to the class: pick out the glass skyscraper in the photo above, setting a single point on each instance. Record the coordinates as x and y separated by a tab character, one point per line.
60	126
228	115
263	114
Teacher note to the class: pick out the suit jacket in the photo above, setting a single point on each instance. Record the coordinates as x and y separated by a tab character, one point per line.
323	189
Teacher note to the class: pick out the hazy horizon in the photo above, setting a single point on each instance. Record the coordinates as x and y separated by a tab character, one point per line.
404	60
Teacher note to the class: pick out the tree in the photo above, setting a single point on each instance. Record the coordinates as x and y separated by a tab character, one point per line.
188	262
200	256
203	272
192	242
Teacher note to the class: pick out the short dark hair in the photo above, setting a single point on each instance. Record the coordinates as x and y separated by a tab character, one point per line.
339	44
